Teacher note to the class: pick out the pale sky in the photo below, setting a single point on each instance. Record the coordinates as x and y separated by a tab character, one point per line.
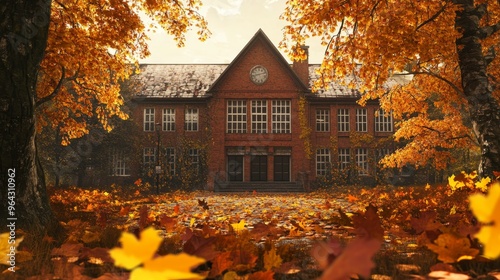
232	23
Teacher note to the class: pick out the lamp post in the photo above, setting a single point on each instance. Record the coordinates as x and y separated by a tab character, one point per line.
158	166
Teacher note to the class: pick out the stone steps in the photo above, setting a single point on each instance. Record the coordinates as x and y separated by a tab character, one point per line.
259	187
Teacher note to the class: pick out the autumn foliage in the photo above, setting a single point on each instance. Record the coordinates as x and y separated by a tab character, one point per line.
418	58
92	47
321	235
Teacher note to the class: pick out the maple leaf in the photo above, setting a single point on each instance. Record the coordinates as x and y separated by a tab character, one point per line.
237	227
426	222
344	219
451	248
134	251
170	267
326	252
203	203
356	258
124	210
220	263
243	260
201	247
369	222
486	208
271	259
351	198
482	185
168	222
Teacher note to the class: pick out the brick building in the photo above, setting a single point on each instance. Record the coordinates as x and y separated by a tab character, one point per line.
250	124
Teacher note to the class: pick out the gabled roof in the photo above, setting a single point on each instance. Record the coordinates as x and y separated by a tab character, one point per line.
260	35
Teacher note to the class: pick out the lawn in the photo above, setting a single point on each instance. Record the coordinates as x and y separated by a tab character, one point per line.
380	233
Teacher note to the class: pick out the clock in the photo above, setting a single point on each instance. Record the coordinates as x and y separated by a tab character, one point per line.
258	74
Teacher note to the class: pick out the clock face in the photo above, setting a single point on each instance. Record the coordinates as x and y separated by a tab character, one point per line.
259	74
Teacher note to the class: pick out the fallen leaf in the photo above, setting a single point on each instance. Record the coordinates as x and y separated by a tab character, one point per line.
136	251
271	259
168	267
356	258
487	210
451	248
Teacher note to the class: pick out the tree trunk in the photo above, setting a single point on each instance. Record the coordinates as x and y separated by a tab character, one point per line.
484	109
23	37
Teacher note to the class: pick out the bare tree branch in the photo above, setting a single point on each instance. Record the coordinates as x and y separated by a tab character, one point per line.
436	15
435	75
54	92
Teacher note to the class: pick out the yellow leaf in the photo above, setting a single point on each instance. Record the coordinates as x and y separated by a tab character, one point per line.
483	184
238	226
135	252
271	259
169	267
6	246
486	208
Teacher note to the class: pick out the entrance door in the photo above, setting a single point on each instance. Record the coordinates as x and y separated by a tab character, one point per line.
258	168
235	168
281	168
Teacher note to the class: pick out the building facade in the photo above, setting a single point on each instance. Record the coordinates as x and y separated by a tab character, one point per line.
253	122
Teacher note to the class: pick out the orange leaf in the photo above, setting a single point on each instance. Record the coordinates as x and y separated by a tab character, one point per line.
351	198
356	258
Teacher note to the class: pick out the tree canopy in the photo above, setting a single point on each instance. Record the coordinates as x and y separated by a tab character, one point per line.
448	49
92	46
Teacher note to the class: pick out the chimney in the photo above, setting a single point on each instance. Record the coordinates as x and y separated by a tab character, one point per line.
301	67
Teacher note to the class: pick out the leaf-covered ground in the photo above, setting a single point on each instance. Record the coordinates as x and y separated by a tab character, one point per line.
386	232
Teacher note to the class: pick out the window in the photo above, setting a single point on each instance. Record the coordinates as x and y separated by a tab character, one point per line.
362	161
149	157
344	158
118	164
235	168
169	119
383	121
381	153
191	120
323	120
236	116
343	120
149	119
195	159
281	116
322	161
259	116
361	120
170	159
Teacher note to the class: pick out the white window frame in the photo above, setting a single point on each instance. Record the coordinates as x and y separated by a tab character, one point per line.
281	116
323	161
362	161
119	166
168	119
259	116
149	156
323	120
149	119
344	158
194	156
236	116
170	159
361	120
383	121
191	119
343	120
